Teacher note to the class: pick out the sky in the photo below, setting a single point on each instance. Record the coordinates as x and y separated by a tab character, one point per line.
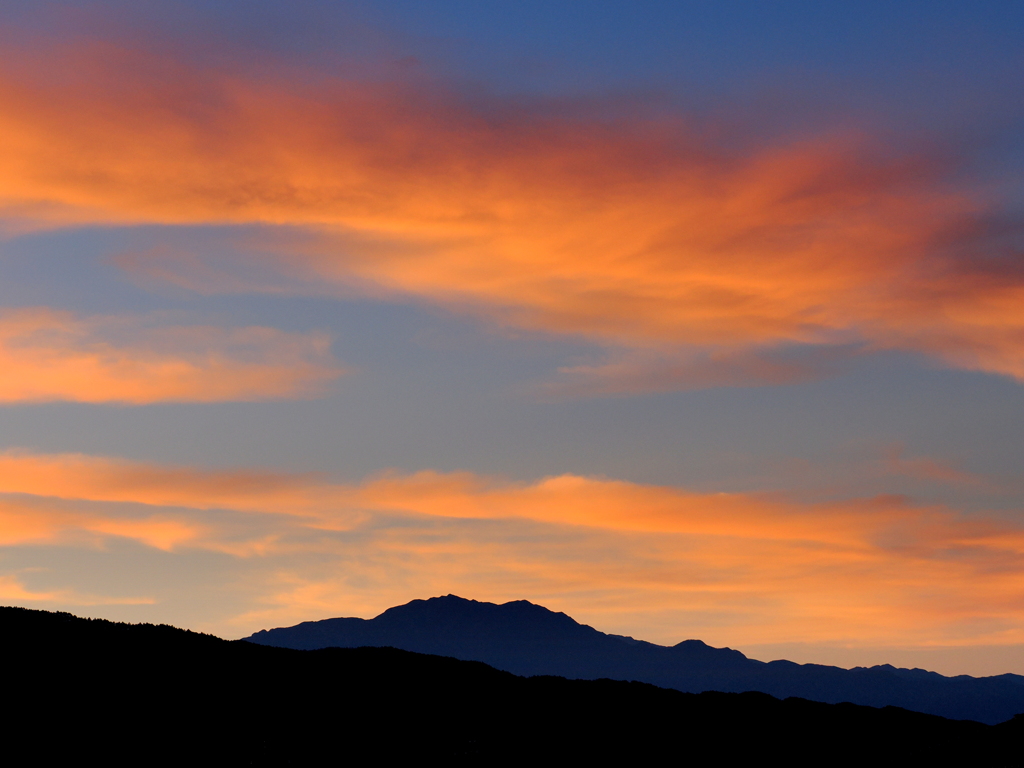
688	319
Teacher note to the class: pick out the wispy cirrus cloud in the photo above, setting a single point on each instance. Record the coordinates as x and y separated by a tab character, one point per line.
642	234
672	369
737	568
932	470
48	355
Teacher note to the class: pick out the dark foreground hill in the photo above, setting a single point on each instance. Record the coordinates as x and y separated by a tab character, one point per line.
91	691
528	639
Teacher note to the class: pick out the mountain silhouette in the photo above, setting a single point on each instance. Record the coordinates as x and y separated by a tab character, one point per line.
528	639
86	690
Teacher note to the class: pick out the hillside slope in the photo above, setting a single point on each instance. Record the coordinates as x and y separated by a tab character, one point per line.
119	694
528	639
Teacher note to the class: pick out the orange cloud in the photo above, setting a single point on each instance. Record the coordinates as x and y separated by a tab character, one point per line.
637	233
47	355
740	568
76	476
13	591
32	523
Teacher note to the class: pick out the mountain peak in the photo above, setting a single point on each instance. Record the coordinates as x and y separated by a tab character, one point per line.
455	608
528	639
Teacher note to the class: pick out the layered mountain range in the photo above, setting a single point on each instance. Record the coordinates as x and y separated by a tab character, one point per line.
528	639
87	690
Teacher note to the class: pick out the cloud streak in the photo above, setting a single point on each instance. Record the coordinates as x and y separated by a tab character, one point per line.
641	234
737	568
665	370
48	355
22	522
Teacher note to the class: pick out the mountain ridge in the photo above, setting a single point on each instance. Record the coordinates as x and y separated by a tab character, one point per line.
138	693
528	639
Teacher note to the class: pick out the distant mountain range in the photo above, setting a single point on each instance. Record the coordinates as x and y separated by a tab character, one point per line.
528	639
92	691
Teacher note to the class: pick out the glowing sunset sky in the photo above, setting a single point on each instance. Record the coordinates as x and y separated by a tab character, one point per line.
687	319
